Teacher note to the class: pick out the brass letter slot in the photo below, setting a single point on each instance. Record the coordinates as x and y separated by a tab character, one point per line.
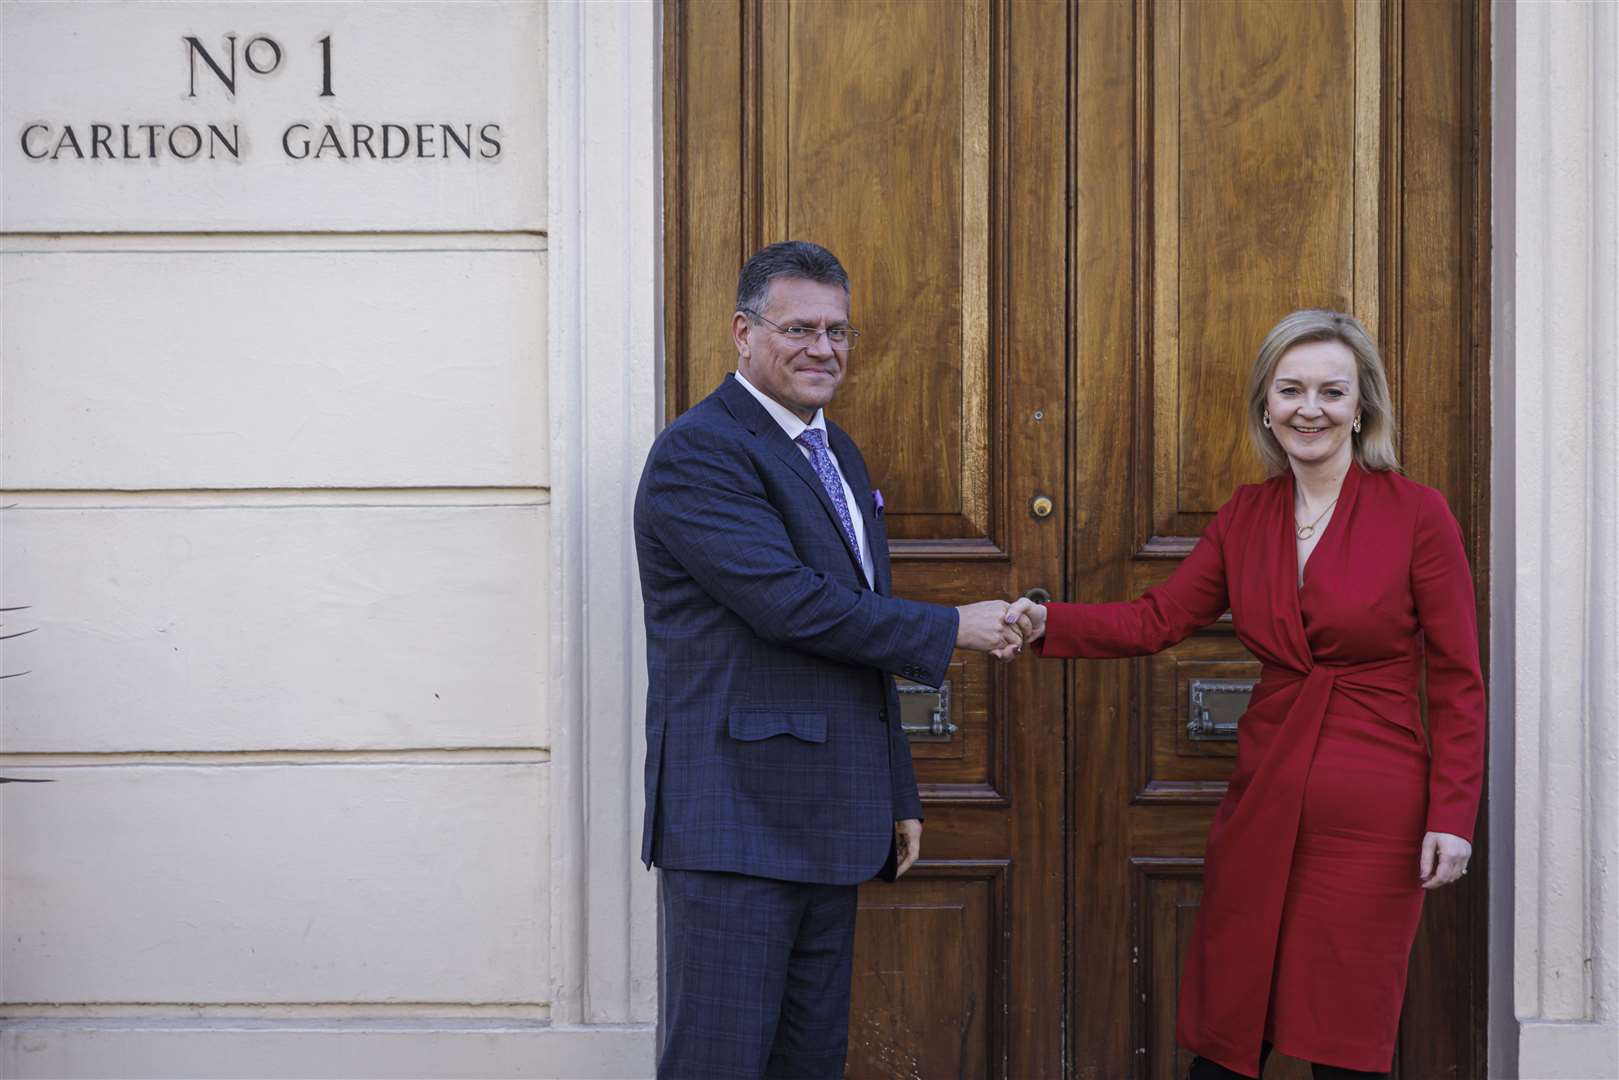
1214	707
924	713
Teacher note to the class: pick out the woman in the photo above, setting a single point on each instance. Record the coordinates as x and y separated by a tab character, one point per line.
1344	578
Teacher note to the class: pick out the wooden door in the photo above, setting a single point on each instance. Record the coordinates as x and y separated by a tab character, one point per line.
1232	162
892	133
1069	225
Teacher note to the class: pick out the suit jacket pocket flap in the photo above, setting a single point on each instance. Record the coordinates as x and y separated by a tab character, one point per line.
750	726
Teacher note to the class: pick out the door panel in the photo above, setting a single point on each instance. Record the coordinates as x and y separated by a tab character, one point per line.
904	187
1259	156
1173	762
1068	226
872	132
928	972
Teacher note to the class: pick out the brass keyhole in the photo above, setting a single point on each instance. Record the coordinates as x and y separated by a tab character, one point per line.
1041	506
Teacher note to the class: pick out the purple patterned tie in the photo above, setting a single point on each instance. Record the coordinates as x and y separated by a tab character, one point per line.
815	439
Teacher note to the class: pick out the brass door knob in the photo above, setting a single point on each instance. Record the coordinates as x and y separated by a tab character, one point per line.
1038	595
1041	506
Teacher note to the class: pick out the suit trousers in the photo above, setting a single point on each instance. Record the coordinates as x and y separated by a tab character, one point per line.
756	977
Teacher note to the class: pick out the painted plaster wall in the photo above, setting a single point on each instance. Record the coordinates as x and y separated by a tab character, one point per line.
278	443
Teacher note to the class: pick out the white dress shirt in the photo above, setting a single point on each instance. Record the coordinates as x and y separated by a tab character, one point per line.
794	427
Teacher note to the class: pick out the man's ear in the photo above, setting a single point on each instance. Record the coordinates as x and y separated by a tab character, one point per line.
740	334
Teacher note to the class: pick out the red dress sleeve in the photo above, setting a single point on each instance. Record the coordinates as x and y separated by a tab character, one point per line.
1193	597
1442	586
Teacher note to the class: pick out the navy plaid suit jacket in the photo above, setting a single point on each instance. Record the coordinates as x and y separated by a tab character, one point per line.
773	740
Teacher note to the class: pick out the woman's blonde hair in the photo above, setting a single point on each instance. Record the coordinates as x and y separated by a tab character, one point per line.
1374	444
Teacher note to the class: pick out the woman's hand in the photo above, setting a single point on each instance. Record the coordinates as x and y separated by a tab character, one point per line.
1030	620
1444	859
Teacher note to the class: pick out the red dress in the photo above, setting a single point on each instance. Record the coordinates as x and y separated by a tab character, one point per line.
1311	891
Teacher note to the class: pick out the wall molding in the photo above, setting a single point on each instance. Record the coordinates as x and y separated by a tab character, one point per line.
362	1049
1560	231
605	345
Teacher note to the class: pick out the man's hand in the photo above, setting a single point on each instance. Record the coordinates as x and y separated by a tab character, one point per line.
1443	860
908	844
1030	619
984	627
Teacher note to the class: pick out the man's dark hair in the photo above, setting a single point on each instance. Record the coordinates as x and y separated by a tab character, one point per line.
790	258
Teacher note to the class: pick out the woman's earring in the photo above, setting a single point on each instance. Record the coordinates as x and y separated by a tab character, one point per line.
1266	420
1357	423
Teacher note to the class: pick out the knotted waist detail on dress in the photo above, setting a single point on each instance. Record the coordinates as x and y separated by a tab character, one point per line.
1379	690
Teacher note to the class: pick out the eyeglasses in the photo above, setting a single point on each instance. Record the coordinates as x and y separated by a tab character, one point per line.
839	337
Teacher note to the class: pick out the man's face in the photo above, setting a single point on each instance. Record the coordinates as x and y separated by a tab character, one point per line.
802	377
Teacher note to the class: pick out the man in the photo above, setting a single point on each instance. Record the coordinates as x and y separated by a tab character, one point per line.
777	776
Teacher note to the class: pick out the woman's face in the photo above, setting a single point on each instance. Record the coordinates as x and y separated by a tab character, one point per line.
1313	399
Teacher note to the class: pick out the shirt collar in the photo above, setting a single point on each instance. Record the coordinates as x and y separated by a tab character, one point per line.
783	416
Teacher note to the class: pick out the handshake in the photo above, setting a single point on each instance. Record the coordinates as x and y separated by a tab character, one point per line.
1000	628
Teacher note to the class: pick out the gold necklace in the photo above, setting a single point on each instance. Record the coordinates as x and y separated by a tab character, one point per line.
1307	531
